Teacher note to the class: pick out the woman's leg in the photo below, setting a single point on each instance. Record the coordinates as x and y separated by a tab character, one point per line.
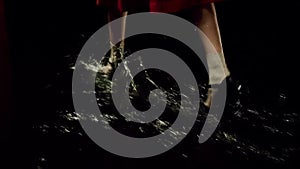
205	18
117	9
116	35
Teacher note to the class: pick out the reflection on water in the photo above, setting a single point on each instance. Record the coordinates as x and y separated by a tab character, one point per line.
248	130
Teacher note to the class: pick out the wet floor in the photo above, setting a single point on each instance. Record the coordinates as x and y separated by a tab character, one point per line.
259	127
250	133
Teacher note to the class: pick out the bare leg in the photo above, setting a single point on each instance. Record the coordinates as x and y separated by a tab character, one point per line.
116	37
117	33
206	19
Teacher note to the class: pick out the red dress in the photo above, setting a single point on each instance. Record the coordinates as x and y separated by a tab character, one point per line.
170	6
167	6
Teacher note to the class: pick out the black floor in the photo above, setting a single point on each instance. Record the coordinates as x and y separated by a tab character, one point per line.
260	126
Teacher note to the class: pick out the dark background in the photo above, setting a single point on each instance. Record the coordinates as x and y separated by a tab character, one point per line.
261	43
